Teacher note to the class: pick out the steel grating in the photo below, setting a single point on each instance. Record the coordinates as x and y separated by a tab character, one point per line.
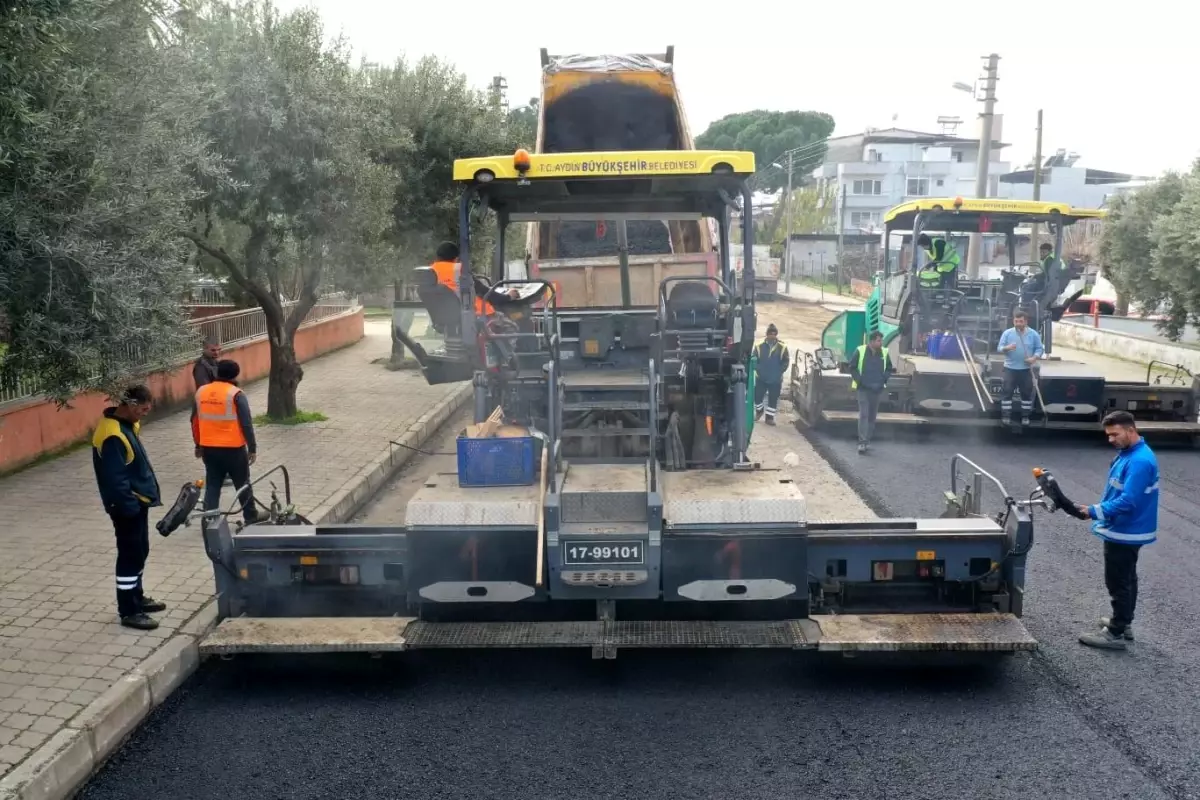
502	634
928	632
707	634
620	634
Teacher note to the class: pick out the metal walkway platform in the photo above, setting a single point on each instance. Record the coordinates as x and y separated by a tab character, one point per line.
836	634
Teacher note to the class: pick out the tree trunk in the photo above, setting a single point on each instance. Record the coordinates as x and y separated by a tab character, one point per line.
286	374
1122	308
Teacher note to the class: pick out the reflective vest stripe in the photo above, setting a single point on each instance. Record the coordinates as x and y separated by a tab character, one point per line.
216	416
861	352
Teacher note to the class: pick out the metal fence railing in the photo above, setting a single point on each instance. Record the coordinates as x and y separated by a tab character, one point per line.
231	330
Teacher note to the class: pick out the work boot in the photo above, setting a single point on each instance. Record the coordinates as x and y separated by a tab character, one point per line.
1104	639
152	606
141	621
862	448
771	421
758	415
1128	628
1024	420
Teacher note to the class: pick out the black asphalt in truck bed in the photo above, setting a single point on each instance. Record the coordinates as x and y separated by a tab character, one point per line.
1064	723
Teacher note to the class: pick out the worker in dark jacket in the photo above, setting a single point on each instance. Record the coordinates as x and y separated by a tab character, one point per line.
870	368
772	365
223	431
128	489
204	371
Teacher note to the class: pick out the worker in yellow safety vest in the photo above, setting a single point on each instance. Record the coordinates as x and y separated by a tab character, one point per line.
943	263
223	431
870	369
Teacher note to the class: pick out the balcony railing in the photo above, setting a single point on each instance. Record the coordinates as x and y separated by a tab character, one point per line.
231	330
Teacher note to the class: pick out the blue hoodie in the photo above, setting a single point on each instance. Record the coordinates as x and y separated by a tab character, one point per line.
1128	512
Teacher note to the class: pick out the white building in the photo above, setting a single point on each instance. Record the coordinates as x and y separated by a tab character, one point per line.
883	168
1063	182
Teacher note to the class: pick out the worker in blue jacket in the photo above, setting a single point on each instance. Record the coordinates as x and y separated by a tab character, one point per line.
772	364
128	489
1126	518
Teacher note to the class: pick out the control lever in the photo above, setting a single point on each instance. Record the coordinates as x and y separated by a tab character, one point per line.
1050	492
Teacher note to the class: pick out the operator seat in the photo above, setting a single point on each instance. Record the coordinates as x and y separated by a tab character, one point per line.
691	305
442	303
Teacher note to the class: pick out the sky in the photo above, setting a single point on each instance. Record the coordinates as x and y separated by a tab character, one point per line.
1112	79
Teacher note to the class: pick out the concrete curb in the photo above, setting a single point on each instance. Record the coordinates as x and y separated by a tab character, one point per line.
61	766
834	308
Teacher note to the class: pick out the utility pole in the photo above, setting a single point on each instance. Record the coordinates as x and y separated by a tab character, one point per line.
985	153
787	246
1037	188
841	234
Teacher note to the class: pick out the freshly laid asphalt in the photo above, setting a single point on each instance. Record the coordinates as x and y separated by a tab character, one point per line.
1066	722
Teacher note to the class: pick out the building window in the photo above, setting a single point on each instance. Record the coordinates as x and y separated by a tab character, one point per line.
866	187
918	187
958	156
863	219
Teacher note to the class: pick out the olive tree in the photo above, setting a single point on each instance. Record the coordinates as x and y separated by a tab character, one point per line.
305	205
96	146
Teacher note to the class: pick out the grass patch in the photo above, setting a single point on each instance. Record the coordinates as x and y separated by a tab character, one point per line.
374	312
299	418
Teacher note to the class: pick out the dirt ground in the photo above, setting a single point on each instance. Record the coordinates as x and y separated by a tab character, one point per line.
827	495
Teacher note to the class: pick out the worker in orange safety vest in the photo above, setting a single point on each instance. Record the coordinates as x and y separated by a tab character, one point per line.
446	269
223	431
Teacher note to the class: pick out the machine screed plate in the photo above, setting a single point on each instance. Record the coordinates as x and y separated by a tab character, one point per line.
307	635
910	632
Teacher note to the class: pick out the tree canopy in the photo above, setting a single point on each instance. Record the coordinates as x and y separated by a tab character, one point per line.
142	144
1150	247
771	135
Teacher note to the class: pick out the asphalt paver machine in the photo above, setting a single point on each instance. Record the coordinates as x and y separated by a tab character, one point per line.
622	509
943	341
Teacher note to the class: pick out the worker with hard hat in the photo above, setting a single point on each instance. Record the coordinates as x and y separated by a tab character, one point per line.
223	431
870	368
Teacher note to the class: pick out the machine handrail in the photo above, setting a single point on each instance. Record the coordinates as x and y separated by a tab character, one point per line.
1008	498
1177	367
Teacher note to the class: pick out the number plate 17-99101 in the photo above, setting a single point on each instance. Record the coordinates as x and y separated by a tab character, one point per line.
605	552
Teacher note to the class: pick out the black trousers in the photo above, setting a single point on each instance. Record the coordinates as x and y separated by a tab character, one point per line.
133	546
1120	577
233	462
1017	380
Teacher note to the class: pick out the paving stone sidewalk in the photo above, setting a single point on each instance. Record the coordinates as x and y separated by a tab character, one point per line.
60	644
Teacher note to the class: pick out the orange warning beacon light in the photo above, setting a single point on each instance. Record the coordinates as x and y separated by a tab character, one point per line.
521	160
958	201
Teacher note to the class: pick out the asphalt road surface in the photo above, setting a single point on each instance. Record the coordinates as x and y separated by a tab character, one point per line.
1064	723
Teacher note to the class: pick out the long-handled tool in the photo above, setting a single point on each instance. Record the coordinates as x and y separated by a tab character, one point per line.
541	528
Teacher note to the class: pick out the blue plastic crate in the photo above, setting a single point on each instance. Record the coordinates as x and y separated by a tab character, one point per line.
944	346
496	462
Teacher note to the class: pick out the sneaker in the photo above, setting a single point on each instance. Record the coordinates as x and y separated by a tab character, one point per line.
1128	628
141	621
152	606
1104	640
